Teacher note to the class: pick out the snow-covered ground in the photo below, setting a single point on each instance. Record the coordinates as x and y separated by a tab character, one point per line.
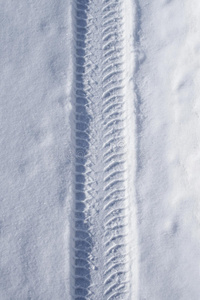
34	155
169	150
99	149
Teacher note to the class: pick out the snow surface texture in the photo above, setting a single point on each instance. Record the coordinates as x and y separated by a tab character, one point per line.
100	150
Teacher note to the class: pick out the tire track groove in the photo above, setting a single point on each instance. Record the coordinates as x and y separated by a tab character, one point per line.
100	255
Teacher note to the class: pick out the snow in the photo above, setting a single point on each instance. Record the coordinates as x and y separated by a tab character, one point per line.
168	177
162	76
34	139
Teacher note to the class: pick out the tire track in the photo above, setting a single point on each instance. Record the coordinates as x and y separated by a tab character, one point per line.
100	233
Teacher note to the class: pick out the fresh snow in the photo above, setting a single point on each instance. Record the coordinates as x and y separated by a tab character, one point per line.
168	150
99	150
35	149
